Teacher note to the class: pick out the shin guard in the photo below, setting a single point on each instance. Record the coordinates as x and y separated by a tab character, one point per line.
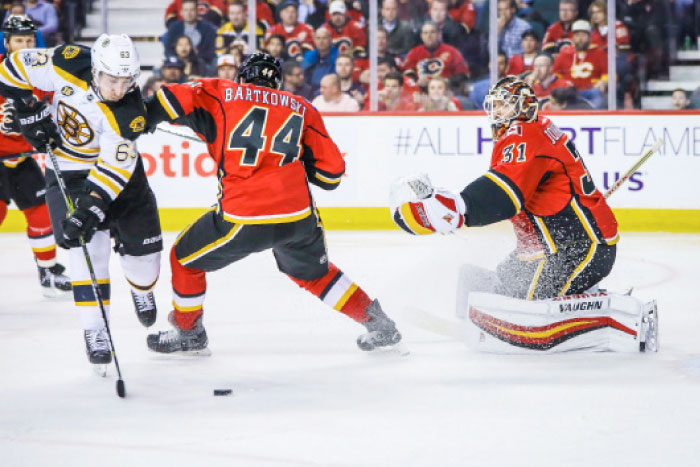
189	287
40	235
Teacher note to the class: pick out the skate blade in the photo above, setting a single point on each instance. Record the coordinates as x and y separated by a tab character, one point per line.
187	353
100	369
400	349
56	294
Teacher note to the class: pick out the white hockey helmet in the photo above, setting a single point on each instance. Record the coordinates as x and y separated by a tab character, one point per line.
115	55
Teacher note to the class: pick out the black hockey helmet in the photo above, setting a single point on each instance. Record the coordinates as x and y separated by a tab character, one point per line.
261	69
18	24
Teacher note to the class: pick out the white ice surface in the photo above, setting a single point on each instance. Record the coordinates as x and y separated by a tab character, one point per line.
304	395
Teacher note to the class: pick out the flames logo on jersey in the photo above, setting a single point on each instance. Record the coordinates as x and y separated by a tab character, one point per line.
75	127
581	70
343	44
430	67
294	48
8	123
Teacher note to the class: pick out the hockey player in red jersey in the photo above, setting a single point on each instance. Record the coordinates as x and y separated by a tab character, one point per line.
21	178
566	232
267	143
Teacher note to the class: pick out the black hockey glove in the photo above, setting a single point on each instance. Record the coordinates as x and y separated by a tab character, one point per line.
36	124
88	215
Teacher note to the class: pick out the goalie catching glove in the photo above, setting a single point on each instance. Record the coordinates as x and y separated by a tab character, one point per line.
436	210
88	215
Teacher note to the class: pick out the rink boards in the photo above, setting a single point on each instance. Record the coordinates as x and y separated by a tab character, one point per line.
663	195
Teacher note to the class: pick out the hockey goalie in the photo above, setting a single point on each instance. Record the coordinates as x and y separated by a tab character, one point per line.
544	296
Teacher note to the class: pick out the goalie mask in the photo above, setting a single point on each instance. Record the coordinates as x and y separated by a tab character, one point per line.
508	100
114	55
261	69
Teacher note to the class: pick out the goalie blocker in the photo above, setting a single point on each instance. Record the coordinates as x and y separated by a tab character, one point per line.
593	322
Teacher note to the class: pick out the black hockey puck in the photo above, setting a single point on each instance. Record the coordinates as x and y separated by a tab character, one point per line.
223	392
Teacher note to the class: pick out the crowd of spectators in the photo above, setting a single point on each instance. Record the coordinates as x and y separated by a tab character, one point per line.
432	54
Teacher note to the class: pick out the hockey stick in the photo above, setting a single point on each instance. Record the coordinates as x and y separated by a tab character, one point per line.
634	168
121	390
181	135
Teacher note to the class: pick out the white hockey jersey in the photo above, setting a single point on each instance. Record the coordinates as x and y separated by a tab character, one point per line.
96	136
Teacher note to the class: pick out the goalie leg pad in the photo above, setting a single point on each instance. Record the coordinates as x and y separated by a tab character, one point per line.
595	322
474	279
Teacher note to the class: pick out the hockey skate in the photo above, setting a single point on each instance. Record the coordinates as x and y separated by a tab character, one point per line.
186	341
97	349
381	331
145	306
53	282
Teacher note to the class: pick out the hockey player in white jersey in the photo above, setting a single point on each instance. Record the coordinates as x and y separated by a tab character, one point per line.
92	121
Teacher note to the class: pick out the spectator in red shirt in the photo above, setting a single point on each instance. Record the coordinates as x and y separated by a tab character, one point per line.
463	13
391	97
559	34
433	58
598	13
347	35
583	65
298	36
208	10
522	63
543	80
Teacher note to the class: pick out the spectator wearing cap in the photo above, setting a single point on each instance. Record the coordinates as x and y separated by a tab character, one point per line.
559	33
194	67
346	35
45	17
201	33
226	67
172	70
432	58
680	100
583	65
298	36
543	81
293	80
39	38
522	63
344	67
235	31
207	10
332	99
321	61
510	28
400	36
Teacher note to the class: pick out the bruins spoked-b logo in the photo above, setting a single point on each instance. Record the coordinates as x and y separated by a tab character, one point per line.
67	91
138	124
74	126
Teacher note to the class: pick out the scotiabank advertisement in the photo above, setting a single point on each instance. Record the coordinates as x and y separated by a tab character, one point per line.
454	150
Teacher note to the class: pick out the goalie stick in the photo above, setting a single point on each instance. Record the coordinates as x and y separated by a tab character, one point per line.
634	168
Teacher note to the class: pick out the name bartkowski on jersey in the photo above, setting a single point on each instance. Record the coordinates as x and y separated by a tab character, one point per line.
580	306
264	97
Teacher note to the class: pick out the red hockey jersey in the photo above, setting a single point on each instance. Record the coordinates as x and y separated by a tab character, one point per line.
543	92
557	34
622	37
463	13
444	61
266	144
538	180
351	38
518	64
584	68
297	41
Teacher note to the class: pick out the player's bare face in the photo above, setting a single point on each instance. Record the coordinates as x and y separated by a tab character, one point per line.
113	88
20	42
